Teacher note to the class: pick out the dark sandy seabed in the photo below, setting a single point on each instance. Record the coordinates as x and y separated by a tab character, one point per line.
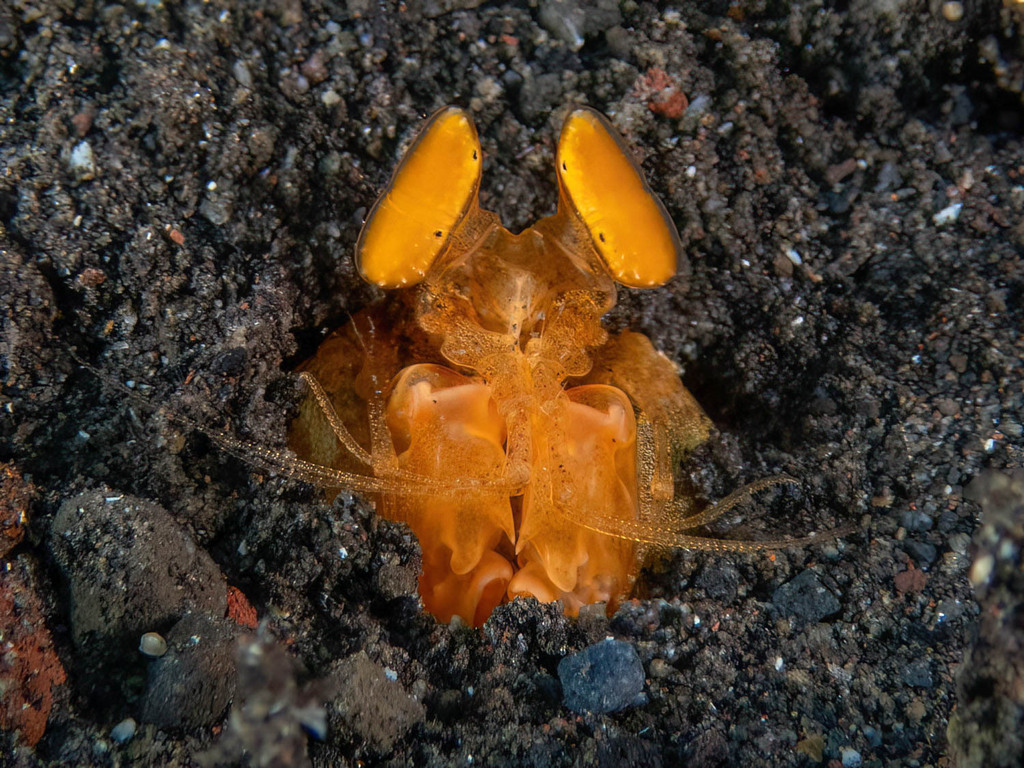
181	188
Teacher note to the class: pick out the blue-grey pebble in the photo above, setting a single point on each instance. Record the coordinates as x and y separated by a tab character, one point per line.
851	757
603	677
923	552
805	597
918	674
123	730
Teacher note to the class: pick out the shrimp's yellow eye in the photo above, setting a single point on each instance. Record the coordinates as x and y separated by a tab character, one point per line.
433	188
630	227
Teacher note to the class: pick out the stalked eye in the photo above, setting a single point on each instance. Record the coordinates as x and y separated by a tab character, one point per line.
628	224
431	192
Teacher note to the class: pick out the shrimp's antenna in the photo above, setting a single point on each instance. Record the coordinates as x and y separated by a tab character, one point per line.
399	482
357	333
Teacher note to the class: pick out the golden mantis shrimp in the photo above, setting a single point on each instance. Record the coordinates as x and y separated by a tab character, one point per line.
484	405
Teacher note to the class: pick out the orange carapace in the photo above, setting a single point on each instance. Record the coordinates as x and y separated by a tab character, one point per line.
484	405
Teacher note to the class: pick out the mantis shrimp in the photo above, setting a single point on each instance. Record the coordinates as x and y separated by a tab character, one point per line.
530	452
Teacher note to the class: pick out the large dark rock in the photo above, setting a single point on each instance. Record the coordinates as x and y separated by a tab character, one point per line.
129	568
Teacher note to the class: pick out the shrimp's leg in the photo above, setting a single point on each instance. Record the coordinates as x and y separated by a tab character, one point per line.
714	511
670	425
337	368
672	422
446	428
354	363
340	430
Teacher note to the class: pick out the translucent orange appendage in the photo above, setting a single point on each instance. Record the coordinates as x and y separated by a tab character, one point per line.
443	423
630	227
589	444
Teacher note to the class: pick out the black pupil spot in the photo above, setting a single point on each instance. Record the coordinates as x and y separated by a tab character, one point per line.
438	233
474	154
564	168
600	236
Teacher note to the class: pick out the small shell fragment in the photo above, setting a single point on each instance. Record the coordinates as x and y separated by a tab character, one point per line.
152	644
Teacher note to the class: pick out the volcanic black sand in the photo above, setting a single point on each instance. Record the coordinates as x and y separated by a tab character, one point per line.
181	189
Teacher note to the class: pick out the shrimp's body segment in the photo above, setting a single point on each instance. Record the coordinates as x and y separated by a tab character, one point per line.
486	407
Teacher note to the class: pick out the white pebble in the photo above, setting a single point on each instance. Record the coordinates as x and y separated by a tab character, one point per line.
152	644
241	73
953	11
793	255
314	719
82	162
981	570
123	730
948	214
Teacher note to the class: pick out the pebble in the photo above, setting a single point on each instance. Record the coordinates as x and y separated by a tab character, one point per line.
82	162
953	11
922	552
152	644
313	718
947	215
216	209
918	674
661	669
720	583
873	735
959	542
369	706
805	597
851	757
981	570
241	73
129	567
190	686
572	20
564	20
888	178
123	731
917	520
604	677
